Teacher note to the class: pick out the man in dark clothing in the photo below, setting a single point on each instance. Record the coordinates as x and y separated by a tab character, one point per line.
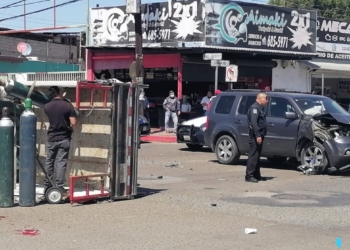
334	96
62	118
257	132
172	106
144	105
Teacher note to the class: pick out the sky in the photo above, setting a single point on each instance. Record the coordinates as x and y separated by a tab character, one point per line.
72	14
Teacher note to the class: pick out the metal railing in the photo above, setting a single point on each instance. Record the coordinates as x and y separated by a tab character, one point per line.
62	79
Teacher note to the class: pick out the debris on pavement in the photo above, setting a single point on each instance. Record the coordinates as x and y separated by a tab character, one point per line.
250	231
309	169
174	165
222	179
28	232
213	205
160	177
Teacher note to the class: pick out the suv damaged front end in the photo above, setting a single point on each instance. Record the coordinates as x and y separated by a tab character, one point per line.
329	133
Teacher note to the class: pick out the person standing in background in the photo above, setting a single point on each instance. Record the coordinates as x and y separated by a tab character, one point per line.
172	107
145	105
205	101
334	96
212	98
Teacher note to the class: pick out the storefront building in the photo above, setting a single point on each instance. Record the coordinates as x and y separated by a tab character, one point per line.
330	70
177	34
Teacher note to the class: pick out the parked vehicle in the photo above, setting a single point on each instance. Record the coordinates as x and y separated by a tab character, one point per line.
314	129
145	128
191	132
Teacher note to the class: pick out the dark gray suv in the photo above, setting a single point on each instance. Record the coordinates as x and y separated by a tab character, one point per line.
311	128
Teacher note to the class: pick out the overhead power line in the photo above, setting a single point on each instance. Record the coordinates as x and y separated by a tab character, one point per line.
26	4
41	10
46	21
11	5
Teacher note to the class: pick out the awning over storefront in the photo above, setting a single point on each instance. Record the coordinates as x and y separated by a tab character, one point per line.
328	69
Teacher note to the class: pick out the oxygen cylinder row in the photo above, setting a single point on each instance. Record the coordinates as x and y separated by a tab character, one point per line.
27	165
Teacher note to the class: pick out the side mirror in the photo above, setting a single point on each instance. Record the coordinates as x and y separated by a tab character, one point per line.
290	115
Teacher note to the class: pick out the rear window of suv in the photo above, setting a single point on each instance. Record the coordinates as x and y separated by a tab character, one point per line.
225	104
245	104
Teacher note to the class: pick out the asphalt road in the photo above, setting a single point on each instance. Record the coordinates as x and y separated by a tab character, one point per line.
192	202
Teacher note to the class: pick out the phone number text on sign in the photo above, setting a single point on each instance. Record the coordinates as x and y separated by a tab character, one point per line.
163	34
277	42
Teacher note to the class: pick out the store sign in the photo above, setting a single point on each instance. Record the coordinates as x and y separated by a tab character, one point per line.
260	27
344	86
333	39
161	22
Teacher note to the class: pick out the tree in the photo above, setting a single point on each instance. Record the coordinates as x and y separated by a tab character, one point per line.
337	9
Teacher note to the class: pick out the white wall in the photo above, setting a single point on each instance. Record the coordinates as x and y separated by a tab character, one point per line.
291	77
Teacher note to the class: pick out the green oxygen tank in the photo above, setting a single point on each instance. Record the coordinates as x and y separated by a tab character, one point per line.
7	144
21	91
27	156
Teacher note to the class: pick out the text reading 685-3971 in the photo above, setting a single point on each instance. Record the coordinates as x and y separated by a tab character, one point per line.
277	41
163	34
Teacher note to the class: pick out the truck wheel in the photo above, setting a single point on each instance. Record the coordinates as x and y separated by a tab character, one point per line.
194	147
226	150
314	153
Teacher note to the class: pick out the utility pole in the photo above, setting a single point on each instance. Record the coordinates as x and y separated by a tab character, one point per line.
54	13
138	47
136	69
24	17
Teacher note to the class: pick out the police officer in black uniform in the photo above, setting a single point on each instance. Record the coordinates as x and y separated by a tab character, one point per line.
257	132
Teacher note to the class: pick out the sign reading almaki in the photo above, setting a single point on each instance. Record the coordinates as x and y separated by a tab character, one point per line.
260	27
333	39
161	22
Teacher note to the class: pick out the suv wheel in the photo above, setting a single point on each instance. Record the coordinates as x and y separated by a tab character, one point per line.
226	150
314	153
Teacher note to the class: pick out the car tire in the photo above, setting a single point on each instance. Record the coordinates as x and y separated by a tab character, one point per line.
194	147
223	146
320	159
277	159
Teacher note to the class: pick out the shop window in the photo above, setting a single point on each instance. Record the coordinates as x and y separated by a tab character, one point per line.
245	104
278	106
225	104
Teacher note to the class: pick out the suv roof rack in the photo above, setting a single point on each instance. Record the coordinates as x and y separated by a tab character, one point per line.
245	90
266	91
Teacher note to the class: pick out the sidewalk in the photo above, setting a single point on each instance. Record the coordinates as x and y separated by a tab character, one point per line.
158	135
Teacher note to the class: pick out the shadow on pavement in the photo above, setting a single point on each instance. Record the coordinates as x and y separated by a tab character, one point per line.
203	150
266	164
144	142
142	192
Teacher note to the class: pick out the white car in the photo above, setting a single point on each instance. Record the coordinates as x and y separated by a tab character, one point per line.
191	132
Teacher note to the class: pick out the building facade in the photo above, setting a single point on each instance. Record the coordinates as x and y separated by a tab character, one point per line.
44	47
329	71
176	34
